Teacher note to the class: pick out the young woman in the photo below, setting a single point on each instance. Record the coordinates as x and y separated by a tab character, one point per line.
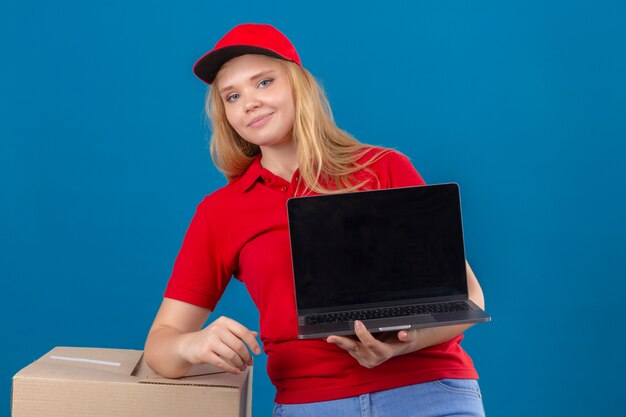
273	138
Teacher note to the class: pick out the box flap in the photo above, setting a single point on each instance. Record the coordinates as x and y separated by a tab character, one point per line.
73	362
201	375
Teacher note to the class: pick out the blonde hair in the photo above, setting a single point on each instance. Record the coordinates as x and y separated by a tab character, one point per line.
328	157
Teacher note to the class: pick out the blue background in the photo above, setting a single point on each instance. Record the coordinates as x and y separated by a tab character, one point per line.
103	158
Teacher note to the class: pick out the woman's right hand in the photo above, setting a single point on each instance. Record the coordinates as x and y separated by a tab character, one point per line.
224	343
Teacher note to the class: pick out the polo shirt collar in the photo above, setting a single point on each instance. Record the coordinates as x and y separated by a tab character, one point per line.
251	175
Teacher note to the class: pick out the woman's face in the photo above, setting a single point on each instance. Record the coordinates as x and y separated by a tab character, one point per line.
257	98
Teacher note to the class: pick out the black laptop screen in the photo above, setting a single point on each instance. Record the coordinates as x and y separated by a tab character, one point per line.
377	246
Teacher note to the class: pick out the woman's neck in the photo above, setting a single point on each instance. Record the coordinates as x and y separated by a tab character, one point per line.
281	161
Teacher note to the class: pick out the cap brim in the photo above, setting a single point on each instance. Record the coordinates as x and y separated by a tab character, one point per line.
207	67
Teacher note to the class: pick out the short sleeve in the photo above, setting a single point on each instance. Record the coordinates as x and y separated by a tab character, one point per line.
402	173
200	274
395	170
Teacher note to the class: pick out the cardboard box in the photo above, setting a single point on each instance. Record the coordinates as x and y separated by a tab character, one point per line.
92	382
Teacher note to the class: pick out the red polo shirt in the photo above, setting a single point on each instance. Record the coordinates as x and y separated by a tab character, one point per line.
241	230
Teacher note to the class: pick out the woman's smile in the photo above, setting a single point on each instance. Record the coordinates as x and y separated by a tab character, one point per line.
260	121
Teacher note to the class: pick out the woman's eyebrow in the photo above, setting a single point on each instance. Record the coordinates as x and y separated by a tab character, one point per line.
255	76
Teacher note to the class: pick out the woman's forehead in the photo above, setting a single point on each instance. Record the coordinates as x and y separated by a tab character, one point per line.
245	67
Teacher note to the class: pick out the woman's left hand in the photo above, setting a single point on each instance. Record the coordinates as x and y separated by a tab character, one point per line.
370	351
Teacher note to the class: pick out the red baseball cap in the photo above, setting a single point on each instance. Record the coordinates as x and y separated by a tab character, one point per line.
248	38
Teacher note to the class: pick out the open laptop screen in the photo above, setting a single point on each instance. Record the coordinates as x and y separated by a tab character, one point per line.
377	246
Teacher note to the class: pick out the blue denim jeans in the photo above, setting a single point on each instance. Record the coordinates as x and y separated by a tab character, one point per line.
445	397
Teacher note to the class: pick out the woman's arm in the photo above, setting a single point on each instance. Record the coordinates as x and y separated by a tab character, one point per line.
175	342
370	351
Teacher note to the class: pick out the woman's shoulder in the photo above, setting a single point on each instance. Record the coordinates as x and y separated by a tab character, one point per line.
389	168
220	199
231	194
381	156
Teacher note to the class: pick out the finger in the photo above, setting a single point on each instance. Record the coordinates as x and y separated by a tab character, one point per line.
366	338
343	342
238	346
248	336
407	336
229	355
219	362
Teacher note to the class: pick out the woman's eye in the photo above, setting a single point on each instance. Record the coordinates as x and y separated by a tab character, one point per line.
232	97
265	83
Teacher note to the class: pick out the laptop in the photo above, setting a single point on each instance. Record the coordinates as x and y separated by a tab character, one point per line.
392	258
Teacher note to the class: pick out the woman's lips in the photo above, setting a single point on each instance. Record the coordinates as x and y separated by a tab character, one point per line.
260	121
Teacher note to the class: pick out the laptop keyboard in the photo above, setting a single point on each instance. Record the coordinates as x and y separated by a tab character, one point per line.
381	313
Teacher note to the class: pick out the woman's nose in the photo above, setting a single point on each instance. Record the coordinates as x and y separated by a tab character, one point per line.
251	102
